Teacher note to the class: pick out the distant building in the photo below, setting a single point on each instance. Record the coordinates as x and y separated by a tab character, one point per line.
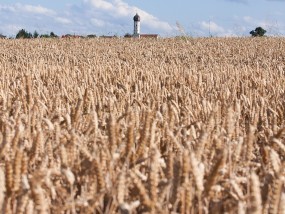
68	36
137	29
108	37
137	26
151	36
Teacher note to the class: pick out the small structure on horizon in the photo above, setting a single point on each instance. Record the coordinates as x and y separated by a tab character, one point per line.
137	26
137	29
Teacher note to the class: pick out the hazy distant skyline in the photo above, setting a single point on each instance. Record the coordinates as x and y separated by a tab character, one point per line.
109	17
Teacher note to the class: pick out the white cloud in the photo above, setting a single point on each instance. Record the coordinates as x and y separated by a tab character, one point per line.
7	8
247	19
98	22
34	9
212	27
124	12
62	20
101	4
26	8
270	23
10	29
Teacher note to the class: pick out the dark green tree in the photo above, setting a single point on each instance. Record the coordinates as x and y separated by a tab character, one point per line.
128	35
53	35
91	36
44	36
23	34
36	34
259	31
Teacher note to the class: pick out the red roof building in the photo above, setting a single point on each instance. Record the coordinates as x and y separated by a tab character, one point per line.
151	36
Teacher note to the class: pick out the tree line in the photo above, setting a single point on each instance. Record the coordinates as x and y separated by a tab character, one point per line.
23	34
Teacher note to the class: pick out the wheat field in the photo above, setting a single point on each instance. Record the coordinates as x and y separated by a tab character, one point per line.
142	126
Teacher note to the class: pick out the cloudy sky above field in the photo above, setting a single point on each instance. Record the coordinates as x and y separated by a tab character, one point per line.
166	17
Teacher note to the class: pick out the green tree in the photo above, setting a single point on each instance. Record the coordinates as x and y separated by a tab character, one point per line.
44	36
91	36
128	35
53	35
259	31
23	34
36	34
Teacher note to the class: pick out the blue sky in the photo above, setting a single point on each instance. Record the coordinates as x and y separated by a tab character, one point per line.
165	17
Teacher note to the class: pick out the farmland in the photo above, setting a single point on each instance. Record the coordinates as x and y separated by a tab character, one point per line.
142	126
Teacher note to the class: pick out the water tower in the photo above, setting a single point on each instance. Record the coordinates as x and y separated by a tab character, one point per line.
137	26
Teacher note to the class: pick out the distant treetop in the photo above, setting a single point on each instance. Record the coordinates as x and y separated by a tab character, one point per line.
259	31
23	34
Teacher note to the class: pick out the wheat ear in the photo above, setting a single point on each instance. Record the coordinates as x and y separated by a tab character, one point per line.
215	172
17	170
255	195
276	195
142	190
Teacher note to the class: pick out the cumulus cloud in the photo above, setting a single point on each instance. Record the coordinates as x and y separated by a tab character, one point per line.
212	27
34	9
273	27
98	22
7	8
101	4
62	20
14	17
26	8
123	12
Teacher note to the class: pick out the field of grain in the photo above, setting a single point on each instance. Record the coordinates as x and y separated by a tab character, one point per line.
142	126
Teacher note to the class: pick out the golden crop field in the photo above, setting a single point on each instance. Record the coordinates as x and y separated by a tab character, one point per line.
142	126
